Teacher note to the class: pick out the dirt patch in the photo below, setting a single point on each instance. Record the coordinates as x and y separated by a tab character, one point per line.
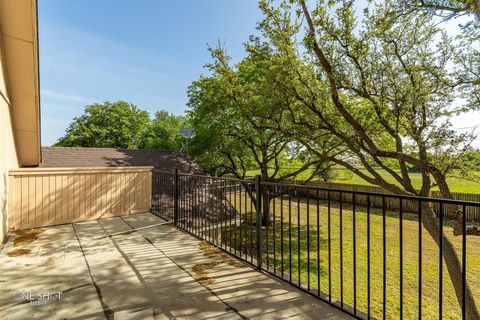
208	249
211	251
201	270
214	252
232	261
26	237
18	252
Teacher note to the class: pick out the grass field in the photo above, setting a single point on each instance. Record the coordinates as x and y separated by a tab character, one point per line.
342	175
455	184
315	270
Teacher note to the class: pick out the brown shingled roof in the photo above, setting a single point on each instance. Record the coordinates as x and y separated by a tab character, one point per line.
54	157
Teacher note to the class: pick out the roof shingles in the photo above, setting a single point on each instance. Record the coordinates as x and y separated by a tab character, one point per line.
76	157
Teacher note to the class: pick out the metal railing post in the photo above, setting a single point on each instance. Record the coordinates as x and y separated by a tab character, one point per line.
175	198
258	199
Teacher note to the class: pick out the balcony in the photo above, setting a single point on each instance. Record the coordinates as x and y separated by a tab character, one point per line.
228	248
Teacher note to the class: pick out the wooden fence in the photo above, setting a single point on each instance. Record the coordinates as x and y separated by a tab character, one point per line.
50	196
473	214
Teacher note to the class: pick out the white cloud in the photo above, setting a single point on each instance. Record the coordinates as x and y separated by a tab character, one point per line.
65	96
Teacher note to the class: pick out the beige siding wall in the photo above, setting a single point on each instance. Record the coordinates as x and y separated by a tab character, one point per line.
18	27
45	196
8	155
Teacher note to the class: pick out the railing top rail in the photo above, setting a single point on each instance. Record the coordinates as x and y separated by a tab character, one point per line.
377	194
251	181
163	171
313	187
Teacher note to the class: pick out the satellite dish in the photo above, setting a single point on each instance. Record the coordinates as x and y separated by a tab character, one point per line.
187	133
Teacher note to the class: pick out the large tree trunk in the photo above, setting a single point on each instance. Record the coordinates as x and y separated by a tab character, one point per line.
264	201
452	261
454	266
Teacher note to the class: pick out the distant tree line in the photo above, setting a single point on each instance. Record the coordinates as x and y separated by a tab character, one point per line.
123	125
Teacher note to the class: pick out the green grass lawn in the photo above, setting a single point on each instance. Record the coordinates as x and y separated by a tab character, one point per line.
455	184
344	176
304	234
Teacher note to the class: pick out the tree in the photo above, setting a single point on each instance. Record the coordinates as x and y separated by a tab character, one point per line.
467	43
234	112
443	8
469	166
107	125
382	90
163	131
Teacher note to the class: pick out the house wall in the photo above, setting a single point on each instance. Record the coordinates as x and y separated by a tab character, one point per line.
18	29
8	154
49	196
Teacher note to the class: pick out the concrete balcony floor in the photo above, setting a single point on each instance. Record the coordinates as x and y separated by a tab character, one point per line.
77	271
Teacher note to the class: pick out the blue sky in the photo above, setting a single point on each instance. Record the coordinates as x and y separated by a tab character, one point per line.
145	52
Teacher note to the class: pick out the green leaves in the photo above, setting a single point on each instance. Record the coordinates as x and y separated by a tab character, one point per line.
123	125
109	124
163	131
381	90
238	113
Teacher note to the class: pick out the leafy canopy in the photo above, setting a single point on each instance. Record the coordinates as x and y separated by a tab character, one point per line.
110	124
235	112
123	125
163	131
380	89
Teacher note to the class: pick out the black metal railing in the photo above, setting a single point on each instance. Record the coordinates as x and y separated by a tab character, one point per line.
363	259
